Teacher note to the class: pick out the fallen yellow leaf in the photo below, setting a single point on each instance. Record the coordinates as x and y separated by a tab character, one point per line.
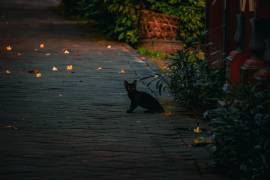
197	130
66	51
54	68
9	48
38	75
122	71
42	45
69	67
8	71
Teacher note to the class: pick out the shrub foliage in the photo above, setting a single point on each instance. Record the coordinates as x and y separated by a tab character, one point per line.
241	127
122	16
194	84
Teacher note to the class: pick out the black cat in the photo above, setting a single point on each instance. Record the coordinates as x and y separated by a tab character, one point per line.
142	99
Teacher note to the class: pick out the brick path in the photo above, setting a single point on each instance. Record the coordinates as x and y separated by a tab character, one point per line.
73	125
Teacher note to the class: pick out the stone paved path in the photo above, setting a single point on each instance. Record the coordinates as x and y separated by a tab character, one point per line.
73	125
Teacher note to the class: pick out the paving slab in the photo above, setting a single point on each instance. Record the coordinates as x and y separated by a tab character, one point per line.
73	124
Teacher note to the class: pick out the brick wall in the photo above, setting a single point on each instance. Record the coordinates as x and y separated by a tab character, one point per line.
155	25
159	32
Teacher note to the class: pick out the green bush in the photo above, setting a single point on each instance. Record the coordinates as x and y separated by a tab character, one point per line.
191	14
123	15
241	128
125	25
71	7
194	84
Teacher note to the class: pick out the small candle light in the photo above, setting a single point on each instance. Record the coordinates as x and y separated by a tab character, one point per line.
69	67
109	46
9	48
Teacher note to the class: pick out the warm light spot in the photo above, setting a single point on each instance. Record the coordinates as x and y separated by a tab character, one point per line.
8	71
38	75
9	48
42	45
109	46
66	52
99	68
69	67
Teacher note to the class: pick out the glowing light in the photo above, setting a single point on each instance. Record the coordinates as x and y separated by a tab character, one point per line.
109	46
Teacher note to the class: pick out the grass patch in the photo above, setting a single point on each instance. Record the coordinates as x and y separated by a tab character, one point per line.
152	54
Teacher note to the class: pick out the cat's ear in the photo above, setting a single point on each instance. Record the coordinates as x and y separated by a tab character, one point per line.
126	84
134	82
